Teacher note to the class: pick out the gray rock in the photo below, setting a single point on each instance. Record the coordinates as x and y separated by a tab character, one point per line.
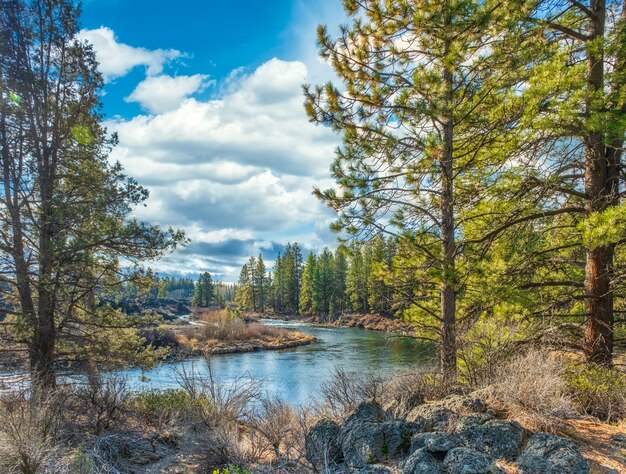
619	440
367	411
435	442
461	405
499	438
421	462
437	418
468	461
365	443
546	453
322	445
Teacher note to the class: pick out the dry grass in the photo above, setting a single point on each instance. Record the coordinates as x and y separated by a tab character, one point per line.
218	332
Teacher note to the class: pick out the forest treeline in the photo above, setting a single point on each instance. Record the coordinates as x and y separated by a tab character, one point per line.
203	292
351	279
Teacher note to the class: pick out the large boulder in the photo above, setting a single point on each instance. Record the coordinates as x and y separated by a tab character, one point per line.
546	453
468	461
436	442
421	462
367	412
322	445
461	405
365	443
499	438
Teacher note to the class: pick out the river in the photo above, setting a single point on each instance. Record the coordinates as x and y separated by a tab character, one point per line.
295	375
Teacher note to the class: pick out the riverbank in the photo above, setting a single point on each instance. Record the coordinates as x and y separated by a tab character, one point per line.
217	332
369	321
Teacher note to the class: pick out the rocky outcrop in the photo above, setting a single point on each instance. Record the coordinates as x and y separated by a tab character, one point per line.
546	453
454	436
322	446
499	438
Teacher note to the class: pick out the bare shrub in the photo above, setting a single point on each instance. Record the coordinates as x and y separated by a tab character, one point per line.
411	388
101	401
344	390
532	384
220	403
27	433
224	327
276	422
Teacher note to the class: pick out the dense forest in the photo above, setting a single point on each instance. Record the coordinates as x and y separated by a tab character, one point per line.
350	279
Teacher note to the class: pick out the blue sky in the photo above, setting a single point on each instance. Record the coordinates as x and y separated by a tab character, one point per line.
206	99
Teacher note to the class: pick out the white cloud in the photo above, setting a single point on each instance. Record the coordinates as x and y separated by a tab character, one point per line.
235	171
117	59
158	94
258	123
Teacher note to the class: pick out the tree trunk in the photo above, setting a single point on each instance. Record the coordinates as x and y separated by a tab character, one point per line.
43	373
598	339
448	247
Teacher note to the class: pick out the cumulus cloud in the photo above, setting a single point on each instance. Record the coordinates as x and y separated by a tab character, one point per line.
236	171
159	94
259	121
117	59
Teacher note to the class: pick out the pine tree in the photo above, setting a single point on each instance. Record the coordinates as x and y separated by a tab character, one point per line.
308	281
409	114
204	294
68	208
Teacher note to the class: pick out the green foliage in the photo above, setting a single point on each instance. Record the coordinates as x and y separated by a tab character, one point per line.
204	294
232	470
598	391
167	404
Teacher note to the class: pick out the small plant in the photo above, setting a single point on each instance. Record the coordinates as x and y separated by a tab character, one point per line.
598	391
232	470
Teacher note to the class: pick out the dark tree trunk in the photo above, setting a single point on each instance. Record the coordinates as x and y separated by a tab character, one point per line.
448	248
598	340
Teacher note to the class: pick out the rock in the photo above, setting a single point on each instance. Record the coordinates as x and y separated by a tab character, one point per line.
499	438
460	405
421	462
468	461
367	411
322	446
365	443
546	453
438	419
437	442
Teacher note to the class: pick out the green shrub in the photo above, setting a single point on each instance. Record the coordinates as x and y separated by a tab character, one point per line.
165	405
598	391
232	470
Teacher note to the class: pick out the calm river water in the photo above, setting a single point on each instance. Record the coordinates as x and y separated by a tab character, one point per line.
295	375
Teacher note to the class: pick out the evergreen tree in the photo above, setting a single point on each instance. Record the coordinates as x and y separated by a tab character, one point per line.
260	284
68	208
409	114
340	302
204	294
308	281
323	285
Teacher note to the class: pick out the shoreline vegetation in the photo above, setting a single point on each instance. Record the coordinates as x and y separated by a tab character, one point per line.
368	321
222	332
